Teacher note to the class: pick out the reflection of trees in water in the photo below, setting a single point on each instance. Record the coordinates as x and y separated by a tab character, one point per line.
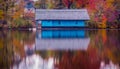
71	59
21	39
106	44
76	60
12	46
6	51
113	45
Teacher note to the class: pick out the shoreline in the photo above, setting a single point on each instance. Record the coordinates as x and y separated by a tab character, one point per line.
78	28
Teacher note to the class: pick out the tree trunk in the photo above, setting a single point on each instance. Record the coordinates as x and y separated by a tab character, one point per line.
69	4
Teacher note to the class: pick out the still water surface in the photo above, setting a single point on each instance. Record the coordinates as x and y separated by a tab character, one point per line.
60	49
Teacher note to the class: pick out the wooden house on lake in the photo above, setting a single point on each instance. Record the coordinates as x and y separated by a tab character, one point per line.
63	18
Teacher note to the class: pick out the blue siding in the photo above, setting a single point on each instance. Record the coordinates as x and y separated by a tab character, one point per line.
47	23
81	23
63	23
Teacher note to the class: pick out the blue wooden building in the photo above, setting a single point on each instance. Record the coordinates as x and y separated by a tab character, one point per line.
61	18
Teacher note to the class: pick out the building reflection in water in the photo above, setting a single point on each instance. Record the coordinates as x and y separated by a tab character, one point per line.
62	40
69	49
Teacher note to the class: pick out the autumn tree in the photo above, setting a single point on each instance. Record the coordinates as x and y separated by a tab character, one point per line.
43	4
50	4
102	12
68	3
81	3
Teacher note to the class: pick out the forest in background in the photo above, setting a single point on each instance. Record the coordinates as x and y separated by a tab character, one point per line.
103	13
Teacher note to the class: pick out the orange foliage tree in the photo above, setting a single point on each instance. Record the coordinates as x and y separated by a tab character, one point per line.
81	3
102	11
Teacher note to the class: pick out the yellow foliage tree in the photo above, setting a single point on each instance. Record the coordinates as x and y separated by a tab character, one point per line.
1	14
20	10
50	4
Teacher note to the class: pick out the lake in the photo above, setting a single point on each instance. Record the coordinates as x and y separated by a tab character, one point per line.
60	49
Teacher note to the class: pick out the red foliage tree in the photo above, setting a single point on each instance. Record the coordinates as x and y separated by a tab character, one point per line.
78	3
81	3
